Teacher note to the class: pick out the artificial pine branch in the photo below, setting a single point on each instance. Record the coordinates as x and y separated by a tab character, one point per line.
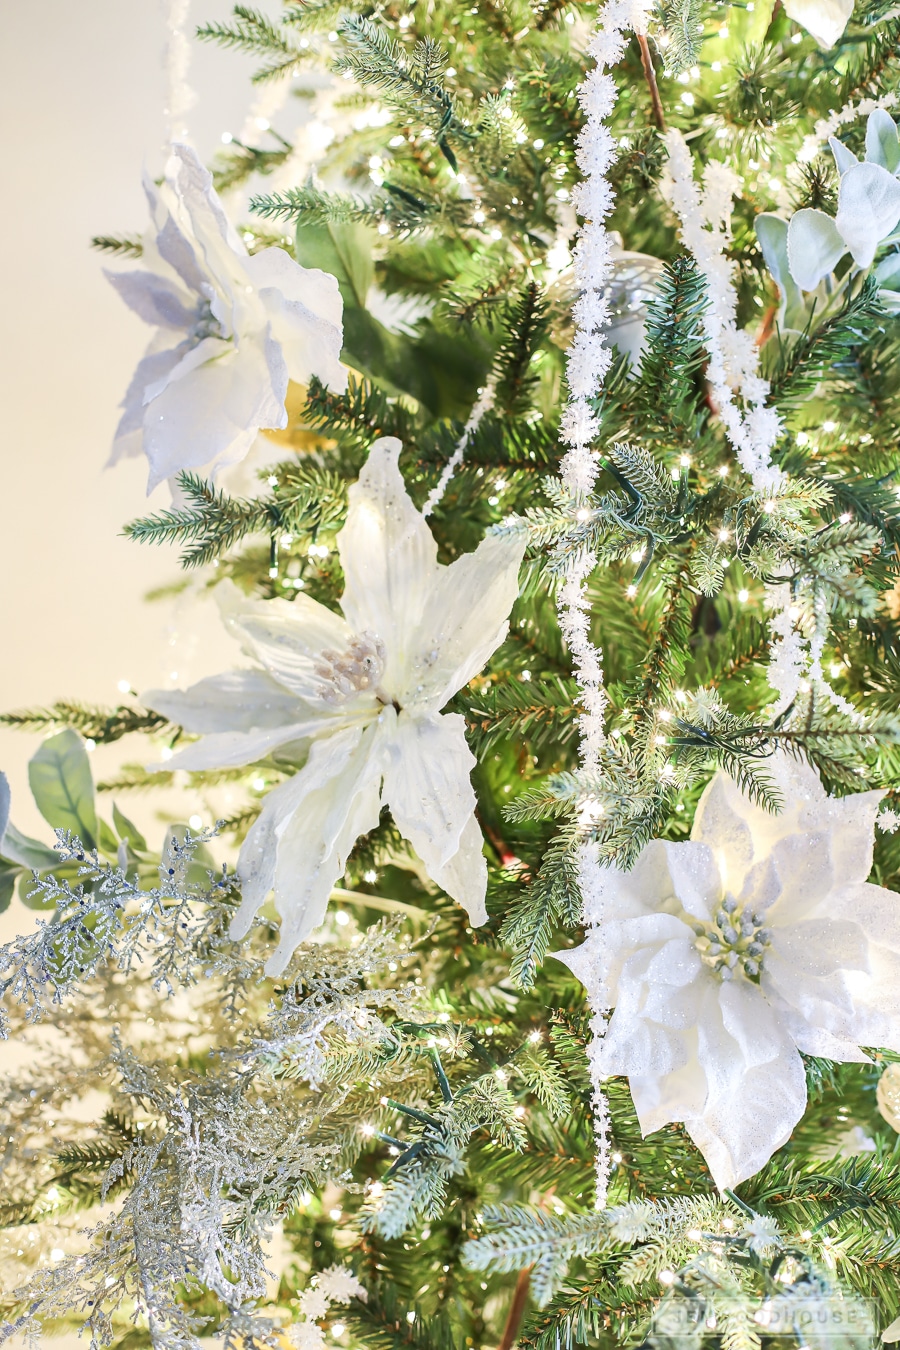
102	725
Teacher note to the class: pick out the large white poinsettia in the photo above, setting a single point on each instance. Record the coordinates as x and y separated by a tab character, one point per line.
825	20
366	690
231	330
726	956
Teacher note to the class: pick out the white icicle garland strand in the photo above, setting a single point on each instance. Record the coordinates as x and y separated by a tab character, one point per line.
483	405
180	97
587	363
591	883
267	104
733	368
830	125
589	356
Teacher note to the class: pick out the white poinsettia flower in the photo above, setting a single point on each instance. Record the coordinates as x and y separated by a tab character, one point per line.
825	20
366	691
231	331
726	956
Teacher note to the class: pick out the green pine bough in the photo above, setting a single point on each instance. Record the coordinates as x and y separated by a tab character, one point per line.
411	1099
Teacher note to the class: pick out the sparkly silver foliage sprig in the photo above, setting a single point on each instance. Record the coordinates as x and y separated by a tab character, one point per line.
191	1169
179	927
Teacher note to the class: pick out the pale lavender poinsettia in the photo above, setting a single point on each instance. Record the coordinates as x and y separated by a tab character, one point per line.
231	330
726	956
364	693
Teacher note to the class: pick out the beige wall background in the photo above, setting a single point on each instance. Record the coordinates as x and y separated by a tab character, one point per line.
81	94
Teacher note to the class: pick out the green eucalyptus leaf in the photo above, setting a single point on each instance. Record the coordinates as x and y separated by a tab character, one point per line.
63	787
343	250
31	897
28	852
128	831
107	839
8	875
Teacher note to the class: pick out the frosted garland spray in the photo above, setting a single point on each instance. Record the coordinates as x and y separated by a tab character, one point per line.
587	363
733	373
733	370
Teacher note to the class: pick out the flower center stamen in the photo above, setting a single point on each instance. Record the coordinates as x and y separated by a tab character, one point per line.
206	324
354	671
735	943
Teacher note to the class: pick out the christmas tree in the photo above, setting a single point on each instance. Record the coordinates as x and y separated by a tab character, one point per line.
545	988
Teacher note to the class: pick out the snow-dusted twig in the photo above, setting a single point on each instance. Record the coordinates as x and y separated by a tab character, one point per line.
483	404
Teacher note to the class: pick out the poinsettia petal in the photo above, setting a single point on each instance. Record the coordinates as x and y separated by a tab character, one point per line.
211	416
238	700
155	367
803	866
825	20
257	859
814	246
228	749
721	823
647	888
852	991
194	204
305	310
389	558
747	1057
430	793
465	620
850	822
868	209
695	877
154	298
289	639
464	876
299	845
171	246
316	843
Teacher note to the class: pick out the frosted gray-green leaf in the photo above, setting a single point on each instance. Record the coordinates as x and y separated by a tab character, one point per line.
814	247
882	141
